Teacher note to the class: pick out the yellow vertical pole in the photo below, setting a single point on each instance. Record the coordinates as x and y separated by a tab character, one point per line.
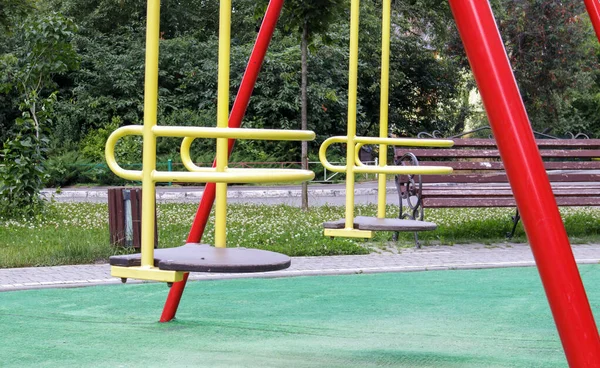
352	96
149	146
384	102
222	120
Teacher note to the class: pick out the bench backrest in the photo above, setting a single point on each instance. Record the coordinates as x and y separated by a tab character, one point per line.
478	160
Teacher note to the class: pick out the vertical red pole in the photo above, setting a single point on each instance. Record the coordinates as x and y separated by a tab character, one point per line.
593	9
529	182
235	121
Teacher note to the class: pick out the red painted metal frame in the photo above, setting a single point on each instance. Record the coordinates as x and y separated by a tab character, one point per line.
593	9
529	182
235	121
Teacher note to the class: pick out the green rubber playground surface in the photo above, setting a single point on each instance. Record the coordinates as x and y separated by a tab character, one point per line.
466	318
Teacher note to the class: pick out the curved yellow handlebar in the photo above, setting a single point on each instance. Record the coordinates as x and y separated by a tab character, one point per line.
359	167
206	174
109	152
239	133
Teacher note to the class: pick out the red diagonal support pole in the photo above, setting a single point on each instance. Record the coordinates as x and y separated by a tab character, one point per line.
593	9
235	121
529	182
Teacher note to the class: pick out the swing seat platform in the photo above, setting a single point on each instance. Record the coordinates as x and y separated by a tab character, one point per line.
365	226
194	257
382	224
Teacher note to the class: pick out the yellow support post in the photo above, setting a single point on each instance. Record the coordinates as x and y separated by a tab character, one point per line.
383	104
352	100
351	153
149	145
222	120
147	270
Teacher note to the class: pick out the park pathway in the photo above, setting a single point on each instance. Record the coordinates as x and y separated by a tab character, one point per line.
468	256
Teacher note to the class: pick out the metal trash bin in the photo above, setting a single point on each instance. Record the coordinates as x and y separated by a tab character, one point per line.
125	217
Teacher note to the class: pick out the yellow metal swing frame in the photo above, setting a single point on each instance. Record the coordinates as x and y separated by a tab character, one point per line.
221	174
353	164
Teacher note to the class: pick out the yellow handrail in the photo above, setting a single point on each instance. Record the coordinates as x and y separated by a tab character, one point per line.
358	167
210	174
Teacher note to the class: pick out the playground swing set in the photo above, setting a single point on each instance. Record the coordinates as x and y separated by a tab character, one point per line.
508	119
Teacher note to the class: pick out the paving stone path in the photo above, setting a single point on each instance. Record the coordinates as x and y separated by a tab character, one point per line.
469	256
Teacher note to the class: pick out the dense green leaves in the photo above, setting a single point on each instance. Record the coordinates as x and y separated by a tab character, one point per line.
98	72
547	42
22	172
42	51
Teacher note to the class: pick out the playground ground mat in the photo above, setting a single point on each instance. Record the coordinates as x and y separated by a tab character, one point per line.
459	318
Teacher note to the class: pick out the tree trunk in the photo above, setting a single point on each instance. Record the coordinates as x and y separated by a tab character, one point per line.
304	111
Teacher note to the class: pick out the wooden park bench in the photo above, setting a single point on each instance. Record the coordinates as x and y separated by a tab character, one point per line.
479	179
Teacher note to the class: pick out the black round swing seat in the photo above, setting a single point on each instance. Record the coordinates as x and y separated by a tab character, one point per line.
382	224
194	257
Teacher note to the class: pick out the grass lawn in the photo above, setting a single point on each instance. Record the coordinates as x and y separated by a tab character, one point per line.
76	233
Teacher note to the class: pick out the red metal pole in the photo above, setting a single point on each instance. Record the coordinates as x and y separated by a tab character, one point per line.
529	182
593	9
235	121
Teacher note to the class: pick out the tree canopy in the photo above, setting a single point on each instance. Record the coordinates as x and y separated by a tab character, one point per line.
88	57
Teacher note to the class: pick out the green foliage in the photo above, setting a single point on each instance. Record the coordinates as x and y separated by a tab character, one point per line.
99	72
11	10
108	85
22	172
425	80
551	47
42	51
316	15
70	168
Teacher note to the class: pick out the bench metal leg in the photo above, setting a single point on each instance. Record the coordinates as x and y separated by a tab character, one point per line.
417	243
515	219
409	189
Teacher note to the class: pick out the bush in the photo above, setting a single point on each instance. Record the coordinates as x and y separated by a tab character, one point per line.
22	173
69	168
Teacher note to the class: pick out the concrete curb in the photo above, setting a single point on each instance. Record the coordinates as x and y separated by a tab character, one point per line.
456	257
281	274
194	195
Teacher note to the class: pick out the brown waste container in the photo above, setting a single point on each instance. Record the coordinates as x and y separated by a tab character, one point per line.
125	217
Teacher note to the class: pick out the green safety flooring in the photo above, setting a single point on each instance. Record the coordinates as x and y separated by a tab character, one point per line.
463	318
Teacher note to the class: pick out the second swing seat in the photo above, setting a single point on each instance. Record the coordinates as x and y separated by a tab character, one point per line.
382	224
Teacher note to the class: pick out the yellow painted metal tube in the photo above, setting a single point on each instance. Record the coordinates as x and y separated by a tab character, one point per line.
352	101
109	152
186	157
264	176
209	175
149	145
383	103
222	120
234	133
237	134
404	170
357	161
416	142
374	140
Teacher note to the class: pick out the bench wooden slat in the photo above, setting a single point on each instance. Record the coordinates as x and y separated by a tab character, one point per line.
567	192
493	153
501	186
567	143
497	165
501	178
502	202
